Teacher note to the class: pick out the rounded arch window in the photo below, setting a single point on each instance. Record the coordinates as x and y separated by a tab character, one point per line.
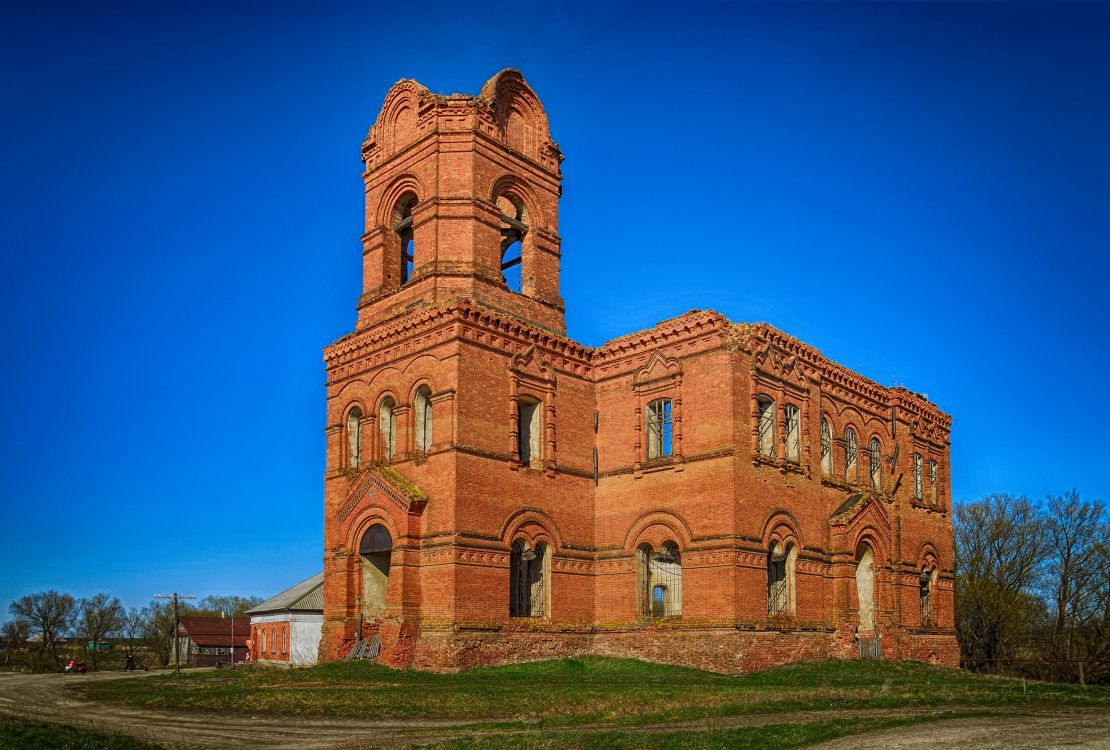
826	447
354	437
402	228
659	579
876	452
514	227
422	408
851	455
529	574
387	427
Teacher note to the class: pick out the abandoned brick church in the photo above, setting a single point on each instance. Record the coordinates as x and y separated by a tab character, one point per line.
702	492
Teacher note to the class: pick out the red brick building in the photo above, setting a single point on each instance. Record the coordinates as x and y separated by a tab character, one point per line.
702	492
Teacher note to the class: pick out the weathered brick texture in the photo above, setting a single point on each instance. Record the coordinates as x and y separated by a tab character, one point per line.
454	510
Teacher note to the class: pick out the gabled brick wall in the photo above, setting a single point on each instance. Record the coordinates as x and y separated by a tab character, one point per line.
454	512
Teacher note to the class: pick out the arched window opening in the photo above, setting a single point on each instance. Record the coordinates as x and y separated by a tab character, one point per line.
423	416
780	580
927	582
402	225
659	428
793	433
386	425
284	639
354	437
876	452
530	430
933	482
529	571
826	447
376	551
917	476
766	426
659	580
262	640
851	456
273	639
514	225
865	587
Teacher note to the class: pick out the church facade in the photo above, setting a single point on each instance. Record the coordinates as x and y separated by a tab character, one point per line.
702	492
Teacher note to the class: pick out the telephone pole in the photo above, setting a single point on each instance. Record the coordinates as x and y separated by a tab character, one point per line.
176	625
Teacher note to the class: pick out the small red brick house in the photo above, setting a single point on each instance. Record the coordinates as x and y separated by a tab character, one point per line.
702	492
206	640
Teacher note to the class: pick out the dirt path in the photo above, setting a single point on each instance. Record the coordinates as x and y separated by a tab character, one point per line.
52	698
1073	730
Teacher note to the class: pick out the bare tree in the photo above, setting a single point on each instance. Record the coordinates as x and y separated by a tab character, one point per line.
15	634
230	605
1000	554
99	616
1075	580
158	630
48	614
132	627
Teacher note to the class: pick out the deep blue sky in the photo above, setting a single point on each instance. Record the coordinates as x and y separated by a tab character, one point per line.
920	191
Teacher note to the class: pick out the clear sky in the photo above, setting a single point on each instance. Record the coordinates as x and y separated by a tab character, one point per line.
920	191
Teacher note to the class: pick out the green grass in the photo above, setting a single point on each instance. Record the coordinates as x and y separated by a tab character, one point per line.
576	691
16	734
772	737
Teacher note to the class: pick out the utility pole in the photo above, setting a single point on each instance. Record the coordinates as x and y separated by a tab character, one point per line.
176	625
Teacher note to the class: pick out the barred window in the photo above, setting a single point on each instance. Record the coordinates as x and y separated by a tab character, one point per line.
917	476
659	579
826	447
766	426
780	580
529	571
659	428
933	482
876	464
793	432
851	456
927	583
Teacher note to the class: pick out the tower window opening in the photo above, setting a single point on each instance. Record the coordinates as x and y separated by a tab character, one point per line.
514	225
659	428
917	476
354	437
659	579
402	225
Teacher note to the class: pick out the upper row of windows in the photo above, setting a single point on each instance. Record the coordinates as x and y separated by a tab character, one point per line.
659	443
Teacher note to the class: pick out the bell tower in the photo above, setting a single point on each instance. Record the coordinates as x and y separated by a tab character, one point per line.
462	201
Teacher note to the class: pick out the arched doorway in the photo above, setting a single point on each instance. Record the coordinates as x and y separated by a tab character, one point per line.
375	549
865	588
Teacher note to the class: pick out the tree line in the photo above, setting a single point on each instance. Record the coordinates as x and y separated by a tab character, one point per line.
1033	587
44	624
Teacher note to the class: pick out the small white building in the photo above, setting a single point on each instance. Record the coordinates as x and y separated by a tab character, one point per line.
285	629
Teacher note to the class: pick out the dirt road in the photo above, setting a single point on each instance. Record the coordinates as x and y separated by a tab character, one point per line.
52	698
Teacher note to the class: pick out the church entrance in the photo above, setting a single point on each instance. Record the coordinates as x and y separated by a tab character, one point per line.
376	549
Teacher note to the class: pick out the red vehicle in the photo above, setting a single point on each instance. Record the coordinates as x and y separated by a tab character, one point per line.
76	667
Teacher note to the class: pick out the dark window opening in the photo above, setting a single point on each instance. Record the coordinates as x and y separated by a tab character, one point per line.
514	225
402	216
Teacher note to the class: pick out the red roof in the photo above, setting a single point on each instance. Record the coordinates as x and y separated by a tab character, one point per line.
216	631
